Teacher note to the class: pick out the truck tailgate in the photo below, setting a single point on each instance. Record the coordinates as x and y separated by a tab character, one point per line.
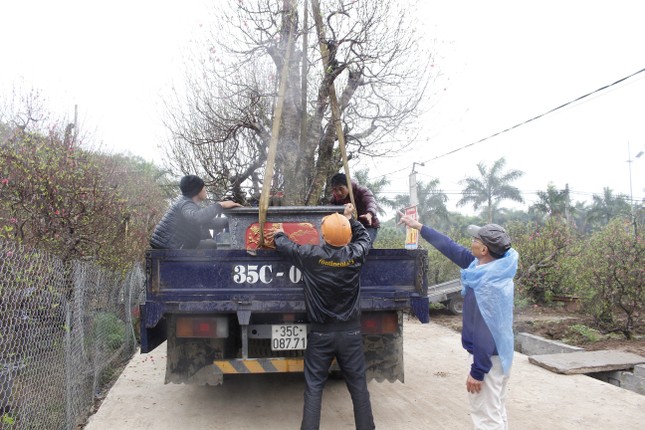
195	281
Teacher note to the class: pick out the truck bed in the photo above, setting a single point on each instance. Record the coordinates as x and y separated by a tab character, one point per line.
449	294
441	292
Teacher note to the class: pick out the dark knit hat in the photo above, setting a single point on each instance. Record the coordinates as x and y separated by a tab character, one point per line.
339	179
493	236
191	185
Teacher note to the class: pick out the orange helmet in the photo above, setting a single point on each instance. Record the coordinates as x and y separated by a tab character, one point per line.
336	230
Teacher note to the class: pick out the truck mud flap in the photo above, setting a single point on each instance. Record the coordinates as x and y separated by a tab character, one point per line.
152	326
259	365
384	357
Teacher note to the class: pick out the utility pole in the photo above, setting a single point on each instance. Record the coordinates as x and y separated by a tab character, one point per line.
412	235
75	124
414	197
631	194
567	204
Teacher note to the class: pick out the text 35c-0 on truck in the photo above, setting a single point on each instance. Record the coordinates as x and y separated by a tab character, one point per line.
240	308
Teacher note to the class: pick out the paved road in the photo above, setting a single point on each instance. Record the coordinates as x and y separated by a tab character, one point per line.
433	396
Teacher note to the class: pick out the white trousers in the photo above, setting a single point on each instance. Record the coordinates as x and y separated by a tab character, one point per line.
487	408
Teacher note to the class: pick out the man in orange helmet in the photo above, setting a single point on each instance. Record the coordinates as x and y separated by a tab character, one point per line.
331	273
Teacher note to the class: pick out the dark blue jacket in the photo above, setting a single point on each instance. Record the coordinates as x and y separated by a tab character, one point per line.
476	338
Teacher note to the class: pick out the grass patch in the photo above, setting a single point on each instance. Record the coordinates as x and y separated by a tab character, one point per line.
580	333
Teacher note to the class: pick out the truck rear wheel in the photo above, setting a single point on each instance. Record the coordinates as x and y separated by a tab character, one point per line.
456	305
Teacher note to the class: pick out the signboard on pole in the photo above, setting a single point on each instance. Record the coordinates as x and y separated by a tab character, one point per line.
411	234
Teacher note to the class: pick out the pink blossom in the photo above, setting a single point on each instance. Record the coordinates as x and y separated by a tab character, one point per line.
9	254
13	220
5	181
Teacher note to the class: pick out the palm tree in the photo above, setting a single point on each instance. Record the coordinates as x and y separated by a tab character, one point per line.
376	187
554	203
491	187
581	217
608	206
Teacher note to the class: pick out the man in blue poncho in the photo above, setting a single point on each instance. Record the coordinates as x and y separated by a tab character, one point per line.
488	268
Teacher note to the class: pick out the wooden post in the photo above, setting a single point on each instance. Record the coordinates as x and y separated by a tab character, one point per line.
275	134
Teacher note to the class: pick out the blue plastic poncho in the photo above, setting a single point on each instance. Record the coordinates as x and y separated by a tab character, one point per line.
493	287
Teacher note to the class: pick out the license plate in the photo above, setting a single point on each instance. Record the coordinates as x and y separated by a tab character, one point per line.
288	337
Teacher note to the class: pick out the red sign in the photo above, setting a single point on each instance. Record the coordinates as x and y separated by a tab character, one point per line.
302	233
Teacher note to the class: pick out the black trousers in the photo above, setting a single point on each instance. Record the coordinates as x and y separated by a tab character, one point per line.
347	348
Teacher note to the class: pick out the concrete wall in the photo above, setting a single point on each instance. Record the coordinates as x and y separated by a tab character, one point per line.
632	381
529	344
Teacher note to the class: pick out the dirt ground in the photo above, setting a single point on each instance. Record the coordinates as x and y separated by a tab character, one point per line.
556	323
433	396
140	400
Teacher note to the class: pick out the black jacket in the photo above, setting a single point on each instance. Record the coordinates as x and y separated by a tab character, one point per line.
331	275
184	225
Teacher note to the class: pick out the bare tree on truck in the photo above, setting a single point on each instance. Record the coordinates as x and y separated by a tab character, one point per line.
220	122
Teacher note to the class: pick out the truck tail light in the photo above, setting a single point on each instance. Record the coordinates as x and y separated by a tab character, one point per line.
379	323
202	327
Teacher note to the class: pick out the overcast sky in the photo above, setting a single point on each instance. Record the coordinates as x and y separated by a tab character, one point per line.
502	62
508	62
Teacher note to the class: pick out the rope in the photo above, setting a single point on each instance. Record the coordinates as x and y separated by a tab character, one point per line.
335	110
273	145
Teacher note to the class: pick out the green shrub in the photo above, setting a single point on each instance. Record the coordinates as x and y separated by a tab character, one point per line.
612	279
581	331
111	329
545	258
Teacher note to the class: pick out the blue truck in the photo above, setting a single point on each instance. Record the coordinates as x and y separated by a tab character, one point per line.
448	294
240	308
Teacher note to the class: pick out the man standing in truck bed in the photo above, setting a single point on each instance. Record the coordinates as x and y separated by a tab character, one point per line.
366	206
331	274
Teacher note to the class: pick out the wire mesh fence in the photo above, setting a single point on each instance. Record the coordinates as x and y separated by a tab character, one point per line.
65	330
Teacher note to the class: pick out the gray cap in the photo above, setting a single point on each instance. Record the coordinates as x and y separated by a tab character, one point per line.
493	236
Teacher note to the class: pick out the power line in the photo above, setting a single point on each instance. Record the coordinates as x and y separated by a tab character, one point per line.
523	192
523	122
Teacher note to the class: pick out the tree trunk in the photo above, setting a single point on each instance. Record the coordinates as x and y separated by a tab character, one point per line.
289	151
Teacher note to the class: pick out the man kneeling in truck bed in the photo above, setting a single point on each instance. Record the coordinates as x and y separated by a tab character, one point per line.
331	273
185	225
